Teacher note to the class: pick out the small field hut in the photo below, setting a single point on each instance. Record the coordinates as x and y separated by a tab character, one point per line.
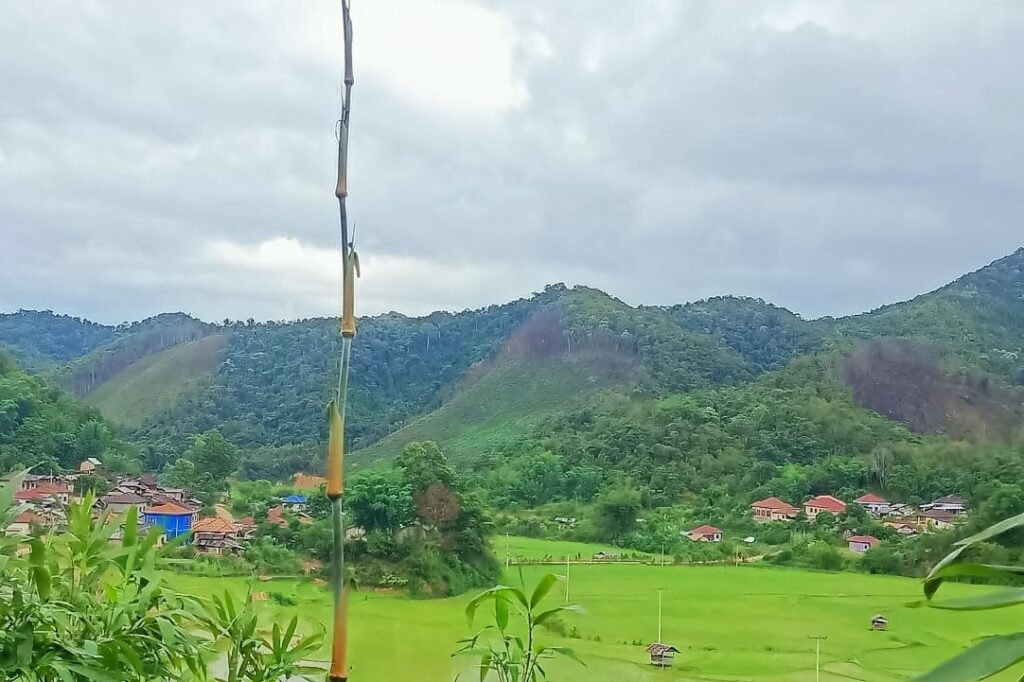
662	655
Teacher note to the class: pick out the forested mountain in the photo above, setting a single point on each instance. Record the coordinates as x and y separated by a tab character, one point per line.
974	323
481	380
41	339
43	427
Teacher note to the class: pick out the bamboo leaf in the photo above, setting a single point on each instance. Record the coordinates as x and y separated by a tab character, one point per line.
542	589
501	613
979	570
933	581
980	661
996	599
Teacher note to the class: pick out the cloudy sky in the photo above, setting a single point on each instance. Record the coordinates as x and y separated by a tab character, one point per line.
826	156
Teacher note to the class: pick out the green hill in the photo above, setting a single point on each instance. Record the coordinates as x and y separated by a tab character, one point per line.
419	377
45	428
507	401
157	382
41	339
974	323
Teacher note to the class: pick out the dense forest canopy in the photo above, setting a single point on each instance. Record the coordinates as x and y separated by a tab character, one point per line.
263	385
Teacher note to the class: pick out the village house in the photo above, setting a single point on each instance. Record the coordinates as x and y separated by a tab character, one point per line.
861	543
937	519
949	503
295	502
89	466
874	504
566	521
823	503
902	511
119	503
59	491
904	528
773	509
245	528
277	517
705	533
173	518
23	522
215	536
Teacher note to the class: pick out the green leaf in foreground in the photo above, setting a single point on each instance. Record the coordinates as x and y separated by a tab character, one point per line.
984	659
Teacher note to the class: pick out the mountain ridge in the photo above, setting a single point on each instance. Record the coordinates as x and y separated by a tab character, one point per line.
265	383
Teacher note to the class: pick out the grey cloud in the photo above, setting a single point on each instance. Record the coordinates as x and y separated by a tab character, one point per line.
827	159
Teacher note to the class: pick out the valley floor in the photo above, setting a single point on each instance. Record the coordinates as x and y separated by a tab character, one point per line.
731	623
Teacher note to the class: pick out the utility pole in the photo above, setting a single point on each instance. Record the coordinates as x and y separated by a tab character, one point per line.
508	557
567	578
817	655
660	591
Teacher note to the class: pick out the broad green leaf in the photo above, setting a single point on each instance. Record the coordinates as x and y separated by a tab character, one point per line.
542	589
569	653
501	613
542	617
8	490
980	661
996	599
131	527
933	580
979	570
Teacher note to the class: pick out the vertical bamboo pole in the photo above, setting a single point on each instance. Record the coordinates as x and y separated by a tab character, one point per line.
336	410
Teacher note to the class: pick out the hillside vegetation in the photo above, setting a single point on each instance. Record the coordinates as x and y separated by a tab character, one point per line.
474	379
39	340
157	382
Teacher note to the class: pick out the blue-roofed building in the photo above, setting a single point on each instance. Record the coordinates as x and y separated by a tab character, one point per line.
173	518
295	501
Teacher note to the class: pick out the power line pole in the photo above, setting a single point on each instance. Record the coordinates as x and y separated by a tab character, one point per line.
567	578
660	591
508	557
817	655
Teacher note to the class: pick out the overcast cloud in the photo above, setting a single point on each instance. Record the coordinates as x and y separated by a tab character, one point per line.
826	156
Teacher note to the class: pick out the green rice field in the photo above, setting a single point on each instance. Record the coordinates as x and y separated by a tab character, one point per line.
730	623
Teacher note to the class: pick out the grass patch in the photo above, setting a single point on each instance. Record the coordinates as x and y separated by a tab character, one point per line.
731	623
505	403
156	382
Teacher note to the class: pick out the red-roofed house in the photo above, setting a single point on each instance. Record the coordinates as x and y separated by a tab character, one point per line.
23	522
30	496
862	543
47	490
773	509
245	528
276	516
705	533
823	503
874	504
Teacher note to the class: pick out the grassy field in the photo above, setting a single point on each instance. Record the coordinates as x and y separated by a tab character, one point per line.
731	623
505	402
532	548
156	382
